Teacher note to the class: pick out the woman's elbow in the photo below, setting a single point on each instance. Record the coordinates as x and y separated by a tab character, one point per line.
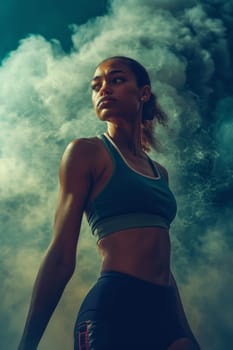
64	264
66	267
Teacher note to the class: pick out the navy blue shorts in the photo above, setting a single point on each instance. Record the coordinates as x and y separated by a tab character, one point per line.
122	312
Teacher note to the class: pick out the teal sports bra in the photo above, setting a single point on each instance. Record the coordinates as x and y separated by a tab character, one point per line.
129	198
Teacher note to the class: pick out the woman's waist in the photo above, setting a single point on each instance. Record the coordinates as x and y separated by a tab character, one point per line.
144	253
156	274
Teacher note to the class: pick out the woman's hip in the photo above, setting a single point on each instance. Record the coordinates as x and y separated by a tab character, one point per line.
117	294
123	311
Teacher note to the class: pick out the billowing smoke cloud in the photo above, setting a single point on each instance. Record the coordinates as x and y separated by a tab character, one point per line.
45	103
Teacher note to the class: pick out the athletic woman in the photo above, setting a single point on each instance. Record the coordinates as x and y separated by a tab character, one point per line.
126	198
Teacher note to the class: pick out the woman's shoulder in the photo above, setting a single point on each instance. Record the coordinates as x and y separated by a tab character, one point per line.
84	146
82	150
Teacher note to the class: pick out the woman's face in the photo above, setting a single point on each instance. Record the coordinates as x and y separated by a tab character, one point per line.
115	93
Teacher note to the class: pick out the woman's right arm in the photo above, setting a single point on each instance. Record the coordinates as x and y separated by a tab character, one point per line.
59	262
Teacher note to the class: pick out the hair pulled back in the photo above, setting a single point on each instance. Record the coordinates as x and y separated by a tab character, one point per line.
151	112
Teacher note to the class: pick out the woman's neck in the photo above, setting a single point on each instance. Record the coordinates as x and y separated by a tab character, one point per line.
128	138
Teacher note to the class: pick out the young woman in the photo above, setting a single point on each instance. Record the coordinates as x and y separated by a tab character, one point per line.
125	195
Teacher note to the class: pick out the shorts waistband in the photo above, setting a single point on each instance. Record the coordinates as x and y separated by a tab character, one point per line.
134	279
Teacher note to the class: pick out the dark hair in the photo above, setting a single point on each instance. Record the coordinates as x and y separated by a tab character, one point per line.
151	112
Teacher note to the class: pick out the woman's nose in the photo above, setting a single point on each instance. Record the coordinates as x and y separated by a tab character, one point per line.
105	89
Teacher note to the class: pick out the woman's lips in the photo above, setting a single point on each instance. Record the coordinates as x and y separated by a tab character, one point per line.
104	102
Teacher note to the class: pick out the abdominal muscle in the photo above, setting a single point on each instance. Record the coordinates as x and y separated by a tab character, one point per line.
140	252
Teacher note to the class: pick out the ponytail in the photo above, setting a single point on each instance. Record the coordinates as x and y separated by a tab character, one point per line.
151	114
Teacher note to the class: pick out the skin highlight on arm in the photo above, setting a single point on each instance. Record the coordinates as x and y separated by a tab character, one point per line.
59	262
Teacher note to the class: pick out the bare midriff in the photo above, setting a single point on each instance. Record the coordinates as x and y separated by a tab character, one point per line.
140	252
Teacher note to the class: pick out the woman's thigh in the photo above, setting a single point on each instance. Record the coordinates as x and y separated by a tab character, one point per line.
183	344
105	335
94	335
128	335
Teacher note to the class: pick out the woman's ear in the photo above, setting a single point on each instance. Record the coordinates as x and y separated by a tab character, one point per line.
145	93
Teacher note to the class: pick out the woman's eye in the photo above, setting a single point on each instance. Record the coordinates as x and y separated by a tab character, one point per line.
95	87
118	80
